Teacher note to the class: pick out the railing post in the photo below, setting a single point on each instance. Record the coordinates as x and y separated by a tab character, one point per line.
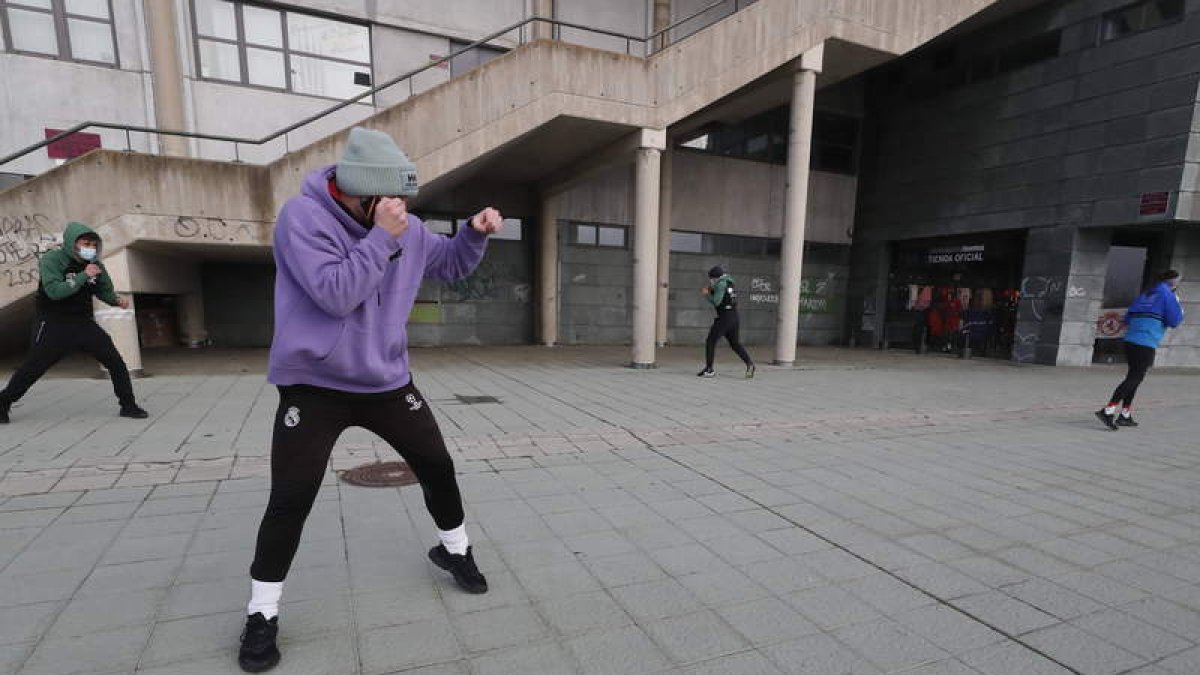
236	156
128	142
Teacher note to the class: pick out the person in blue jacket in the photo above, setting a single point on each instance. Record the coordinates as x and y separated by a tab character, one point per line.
1148	318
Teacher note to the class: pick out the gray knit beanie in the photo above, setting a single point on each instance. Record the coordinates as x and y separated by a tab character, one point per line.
373	166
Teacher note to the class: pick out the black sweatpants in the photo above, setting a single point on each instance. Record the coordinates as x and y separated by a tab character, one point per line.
724	326
1140	359
307	425
53	340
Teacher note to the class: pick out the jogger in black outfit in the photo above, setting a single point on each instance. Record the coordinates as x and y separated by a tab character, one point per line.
723	297
69	277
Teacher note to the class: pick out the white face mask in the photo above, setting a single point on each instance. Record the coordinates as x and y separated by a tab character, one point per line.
87	253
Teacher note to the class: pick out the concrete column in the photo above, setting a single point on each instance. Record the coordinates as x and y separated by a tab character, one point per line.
648	183
804	85
664	250
166	74
191	309
121	324
542	30
1181	346
548	270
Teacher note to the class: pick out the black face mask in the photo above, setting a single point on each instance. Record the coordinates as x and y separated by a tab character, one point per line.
368	205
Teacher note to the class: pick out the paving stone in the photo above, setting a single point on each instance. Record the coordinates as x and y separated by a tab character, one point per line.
615	650
1082	651
767	621
1005	613
1132	634
816	655
118	650
583	612
500	627
889	645
385	650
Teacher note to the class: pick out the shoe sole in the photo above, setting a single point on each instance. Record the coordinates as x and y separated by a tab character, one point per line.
1111	426
437	560
274	661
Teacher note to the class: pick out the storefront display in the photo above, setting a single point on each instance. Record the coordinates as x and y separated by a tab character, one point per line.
949	293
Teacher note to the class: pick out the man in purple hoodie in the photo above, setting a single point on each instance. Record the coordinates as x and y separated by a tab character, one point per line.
349	261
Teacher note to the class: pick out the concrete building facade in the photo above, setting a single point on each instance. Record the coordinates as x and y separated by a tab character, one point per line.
834	155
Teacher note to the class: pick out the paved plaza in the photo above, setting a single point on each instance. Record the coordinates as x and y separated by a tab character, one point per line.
863	512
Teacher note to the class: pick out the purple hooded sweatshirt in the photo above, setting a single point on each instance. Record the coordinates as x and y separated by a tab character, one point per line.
343	293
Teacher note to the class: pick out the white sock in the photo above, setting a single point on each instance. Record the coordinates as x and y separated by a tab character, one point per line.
1110	409
455	540
1127	412
264	597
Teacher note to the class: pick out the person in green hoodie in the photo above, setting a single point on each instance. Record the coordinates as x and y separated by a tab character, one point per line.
70	276
721	294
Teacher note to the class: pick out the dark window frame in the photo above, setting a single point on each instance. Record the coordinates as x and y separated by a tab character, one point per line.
59	14
242	45
1143	6
573	235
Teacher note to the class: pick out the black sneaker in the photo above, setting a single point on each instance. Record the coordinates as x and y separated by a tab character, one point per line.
1108	419
750	372
134	411
4	412
461	566
706	373
1126	421
258	652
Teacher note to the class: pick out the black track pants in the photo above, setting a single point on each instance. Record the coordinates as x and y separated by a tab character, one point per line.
1140	359
724	326
307	425
53	340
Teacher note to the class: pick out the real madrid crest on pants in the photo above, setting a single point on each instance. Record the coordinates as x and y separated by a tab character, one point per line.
292	417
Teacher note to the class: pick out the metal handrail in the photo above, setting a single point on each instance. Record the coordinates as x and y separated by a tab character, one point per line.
519	27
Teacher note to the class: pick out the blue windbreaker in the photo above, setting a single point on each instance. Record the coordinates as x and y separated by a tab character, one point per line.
1151	315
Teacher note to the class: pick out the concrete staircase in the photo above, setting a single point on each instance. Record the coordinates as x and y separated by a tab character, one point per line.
531	115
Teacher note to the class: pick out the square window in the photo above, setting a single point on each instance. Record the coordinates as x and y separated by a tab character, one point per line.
585	234
511	230
265	68
91	41
33	32
325	37
440	226
611	236
219	61
215	18
687	242
263	26
324	78
97	9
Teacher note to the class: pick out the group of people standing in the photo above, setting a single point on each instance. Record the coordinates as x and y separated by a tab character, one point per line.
349	260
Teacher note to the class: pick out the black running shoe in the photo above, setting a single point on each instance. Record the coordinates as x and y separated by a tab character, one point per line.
1109	420
706	373
4	412
462	567
134	411
750	371
1123	421
258	652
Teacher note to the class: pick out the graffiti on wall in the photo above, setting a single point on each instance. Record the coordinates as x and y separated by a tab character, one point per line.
214	229
818	295
1044	295
22	239
491	281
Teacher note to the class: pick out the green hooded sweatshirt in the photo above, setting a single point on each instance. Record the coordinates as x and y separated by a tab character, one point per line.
64	291
719	287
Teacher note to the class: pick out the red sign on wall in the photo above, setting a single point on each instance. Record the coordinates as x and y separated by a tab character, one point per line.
71	146
1154	203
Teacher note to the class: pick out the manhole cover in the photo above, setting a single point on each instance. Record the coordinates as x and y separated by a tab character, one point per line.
379	474
473	400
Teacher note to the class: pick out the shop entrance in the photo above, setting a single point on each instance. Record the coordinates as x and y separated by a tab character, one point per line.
949	293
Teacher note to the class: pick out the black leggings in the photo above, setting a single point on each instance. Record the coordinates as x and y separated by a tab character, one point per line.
307	425
724	326
1140	358
53	340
